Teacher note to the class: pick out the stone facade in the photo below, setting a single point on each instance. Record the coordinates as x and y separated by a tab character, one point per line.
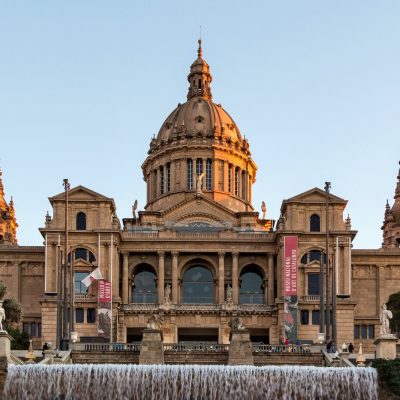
198	255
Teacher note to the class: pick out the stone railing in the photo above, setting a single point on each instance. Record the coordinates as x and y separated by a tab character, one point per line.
206	347
311	297
271	348
106	347
171	234
143	307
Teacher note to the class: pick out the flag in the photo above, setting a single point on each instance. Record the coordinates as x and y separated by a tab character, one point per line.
95	275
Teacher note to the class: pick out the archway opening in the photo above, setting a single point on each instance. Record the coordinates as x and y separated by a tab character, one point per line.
144	288
198	286
251	286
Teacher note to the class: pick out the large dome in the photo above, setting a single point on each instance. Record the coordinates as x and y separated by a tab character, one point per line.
199	116
199	148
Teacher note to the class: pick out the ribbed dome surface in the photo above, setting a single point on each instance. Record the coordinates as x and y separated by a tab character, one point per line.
199	116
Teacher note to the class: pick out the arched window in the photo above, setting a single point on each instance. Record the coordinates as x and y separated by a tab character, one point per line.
144	289
312	255
251	286
198	286
80	288
190	174
315	223
83	254
81	221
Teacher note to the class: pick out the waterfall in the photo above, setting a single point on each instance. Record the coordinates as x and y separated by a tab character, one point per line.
173	382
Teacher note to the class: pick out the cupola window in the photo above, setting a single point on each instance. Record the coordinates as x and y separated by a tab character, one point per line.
209	174
189	174
230	178
199	166
236	181
168	177
161	180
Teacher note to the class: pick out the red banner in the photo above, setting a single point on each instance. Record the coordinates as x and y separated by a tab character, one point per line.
104	309
104	291
290	266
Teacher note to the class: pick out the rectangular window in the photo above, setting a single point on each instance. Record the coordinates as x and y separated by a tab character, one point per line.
364	331
26	328
304	317
79	315
230	178
33	329
168	177
199	166
91	315
161	180
39	329
79	286
208	174
371	331
190	174
236	181
356	331
313	284
315	317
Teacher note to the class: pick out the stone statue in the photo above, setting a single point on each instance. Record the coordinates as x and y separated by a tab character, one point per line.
236	324
2	316
385	316
228	295
134	208
154	322
263	209
199	182
167	296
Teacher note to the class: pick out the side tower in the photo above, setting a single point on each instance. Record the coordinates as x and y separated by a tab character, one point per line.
391	223
8	221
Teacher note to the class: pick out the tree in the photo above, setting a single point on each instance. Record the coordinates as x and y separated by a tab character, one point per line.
394	306
13	313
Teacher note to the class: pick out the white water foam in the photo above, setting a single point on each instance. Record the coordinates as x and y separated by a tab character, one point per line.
188	382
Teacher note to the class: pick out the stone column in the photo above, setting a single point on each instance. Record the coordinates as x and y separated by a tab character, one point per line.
221	277
161	277
235	278
125	272
225	180
174	277
271	279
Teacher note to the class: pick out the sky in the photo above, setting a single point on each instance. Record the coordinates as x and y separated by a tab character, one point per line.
314	85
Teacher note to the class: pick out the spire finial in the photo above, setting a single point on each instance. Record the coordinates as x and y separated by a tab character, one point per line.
200	50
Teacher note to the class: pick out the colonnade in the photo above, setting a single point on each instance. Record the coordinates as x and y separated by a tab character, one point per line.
269	295
220	175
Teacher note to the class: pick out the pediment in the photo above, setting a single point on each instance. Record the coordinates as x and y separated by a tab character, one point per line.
81	193
315	195
199	212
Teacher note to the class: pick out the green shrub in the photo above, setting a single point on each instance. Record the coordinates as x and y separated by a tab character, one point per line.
20	340
389	374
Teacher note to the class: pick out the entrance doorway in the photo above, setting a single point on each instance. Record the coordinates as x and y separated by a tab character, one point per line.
259	335
196	335
134	335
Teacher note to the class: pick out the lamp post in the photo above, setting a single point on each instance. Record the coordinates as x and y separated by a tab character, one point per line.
65	313
328	308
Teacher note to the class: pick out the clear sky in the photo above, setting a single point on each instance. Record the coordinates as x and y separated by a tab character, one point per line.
314	85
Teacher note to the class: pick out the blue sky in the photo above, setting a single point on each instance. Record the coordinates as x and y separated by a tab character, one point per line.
314	85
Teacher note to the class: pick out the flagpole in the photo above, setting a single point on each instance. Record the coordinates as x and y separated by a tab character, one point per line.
111	284
72	293
59	287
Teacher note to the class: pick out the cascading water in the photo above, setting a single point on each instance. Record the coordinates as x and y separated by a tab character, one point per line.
172	382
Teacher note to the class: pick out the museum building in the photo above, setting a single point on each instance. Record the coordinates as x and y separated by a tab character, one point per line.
199	254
